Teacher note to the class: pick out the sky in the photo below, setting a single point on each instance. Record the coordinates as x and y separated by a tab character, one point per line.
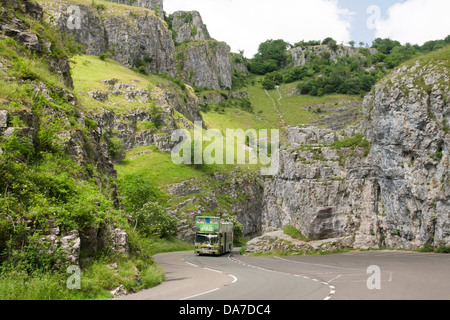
244	24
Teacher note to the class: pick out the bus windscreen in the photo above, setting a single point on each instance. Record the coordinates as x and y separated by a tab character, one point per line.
207	239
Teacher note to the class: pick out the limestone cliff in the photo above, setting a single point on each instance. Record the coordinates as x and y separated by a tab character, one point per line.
406	120
200	60
133	36
300	56
392	190
138	37
188	26
205	64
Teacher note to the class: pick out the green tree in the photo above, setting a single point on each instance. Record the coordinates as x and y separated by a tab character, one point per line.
268	84
136	190
331	43
271	56
385	45
153	219
275	76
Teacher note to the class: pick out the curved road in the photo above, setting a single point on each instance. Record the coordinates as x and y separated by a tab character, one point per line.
353	275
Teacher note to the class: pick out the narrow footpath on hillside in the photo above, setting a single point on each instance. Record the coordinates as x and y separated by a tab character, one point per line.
283	123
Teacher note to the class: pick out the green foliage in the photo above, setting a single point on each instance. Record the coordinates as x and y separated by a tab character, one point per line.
348	75
90	123
155	114
20	147
268	84
272	79
298	73
152	219
156	9
239	81
331	43
103	56
116	147
194	31
385	46
177	81
295	233
37	256
357	140
241	103
271	56
98	6
138	189
437	155
275	76
305	44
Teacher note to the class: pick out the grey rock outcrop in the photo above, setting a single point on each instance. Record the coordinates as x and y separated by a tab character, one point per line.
278	241
398	194
19	31
319	189
406	119
129	34
205	64
187	26
149	125
300	56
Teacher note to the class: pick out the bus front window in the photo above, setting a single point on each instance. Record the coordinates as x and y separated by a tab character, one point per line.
207	239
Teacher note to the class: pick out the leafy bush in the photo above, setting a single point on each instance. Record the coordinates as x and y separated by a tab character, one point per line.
116	147
271	56
268	84
137	190
152	219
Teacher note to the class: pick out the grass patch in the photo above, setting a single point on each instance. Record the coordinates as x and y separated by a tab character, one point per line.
357	140
151	162
89	71
293	107
295	233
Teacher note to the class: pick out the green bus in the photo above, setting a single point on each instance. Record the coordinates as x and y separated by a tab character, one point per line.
214	235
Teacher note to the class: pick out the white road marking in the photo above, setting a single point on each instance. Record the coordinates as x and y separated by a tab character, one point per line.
191	264
332	288
213	270
334	278
200	294
234	278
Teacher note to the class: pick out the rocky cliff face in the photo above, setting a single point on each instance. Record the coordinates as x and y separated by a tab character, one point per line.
188	26
396	195
324	191
136	36
406	120
205	64
300	56
17	30
131	35
200	60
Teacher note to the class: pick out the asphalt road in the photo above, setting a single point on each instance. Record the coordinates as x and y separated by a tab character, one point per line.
370	275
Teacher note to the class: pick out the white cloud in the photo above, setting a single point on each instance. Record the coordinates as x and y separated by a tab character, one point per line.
244	24
416	21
